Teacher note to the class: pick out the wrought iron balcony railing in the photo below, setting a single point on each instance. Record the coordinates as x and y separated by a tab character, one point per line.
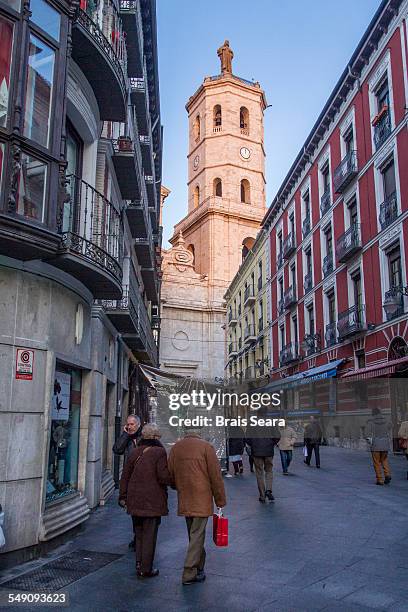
330	335
91	227
289	297
351	321
395	298
388	210
345	171
328	264
325	202
306	226
232	317
311	344
308	282
289	353
382	130
349	243
249	333
289	245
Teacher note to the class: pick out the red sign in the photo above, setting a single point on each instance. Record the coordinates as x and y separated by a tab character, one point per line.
24	364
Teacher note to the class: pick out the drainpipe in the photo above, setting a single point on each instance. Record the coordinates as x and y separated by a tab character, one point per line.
118	415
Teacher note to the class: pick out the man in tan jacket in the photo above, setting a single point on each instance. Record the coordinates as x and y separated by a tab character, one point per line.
196	473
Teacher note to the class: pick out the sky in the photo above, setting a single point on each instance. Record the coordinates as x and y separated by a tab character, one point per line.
297	50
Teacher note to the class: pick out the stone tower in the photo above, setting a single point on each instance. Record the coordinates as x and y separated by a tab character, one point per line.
226	203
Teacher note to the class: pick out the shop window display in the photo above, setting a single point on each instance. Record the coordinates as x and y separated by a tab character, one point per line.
62	477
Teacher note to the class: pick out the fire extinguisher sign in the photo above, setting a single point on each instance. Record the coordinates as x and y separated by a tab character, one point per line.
24	364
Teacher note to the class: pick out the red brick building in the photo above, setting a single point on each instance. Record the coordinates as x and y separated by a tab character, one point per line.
339	223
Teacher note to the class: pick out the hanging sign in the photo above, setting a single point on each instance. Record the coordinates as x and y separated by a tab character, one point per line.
24	364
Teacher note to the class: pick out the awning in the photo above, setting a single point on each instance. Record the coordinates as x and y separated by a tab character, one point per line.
328	370
384	369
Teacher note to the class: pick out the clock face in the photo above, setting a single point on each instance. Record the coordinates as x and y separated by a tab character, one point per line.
196	162
245	152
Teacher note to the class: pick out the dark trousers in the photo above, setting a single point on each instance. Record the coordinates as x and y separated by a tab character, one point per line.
238	467
251	462
286	458
145	529
313	446
195	556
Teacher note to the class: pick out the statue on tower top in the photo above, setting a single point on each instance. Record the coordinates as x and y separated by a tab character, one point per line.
225	53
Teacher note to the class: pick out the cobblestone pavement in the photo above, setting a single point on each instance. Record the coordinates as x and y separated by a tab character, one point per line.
331	541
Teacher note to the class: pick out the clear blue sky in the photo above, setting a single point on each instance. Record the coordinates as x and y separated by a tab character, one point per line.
295	49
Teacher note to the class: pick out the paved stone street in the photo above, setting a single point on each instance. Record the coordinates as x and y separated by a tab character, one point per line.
331	541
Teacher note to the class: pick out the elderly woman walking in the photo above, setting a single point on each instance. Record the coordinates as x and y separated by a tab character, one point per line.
143	491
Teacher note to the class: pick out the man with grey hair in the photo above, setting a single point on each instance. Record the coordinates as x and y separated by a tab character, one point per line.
126	444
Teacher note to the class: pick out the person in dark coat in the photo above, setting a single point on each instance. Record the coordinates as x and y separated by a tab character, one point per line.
262	442
126	444
143	491
312	440
236	447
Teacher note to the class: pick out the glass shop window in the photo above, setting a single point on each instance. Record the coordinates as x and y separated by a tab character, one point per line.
39	88
62	475
30	198
45	17
6	51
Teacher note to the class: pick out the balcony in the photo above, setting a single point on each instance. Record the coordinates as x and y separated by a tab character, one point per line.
132	26
388	211
330	335
151	282
232	349
99	49
306	226
325	202
137	218
126	168
311	344
281	306
345	172
349	243
328	264
289	297
249	334
139	97
308	282
382	127
393	303
124	313
289	354
289	245
279	261
249	297
249	373
91	232
232	318
351	321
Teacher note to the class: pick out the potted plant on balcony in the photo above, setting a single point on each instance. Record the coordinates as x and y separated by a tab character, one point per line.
125	144
380	114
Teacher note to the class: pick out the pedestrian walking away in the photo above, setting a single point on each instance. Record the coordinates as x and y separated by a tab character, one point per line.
262	441
143	491
126	444
379	442
286	445
196	472
312	440
403	439
236	447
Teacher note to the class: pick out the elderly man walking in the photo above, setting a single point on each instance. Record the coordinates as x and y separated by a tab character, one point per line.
196	473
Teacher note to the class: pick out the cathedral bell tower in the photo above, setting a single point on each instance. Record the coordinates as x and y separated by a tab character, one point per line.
226	173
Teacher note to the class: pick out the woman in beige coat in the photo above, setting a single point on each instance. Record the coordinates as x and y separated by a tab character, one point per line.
403	437
286	445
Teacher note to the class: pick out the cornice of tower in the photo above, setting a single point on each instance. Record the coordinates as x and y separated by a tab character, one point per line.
213	82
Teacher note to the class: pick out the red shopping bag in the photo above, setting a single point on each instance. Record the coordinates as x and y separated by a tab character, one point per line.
220	529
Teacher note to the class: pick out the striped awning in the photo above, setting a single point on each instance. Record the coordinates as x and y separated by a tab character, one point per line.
383	369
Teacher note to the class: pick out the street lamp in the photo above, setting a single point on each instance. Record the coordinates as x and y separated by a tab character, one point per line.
393	300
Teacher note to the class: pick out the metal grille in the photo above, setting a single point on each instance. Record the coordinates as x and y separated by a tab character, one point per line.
60	572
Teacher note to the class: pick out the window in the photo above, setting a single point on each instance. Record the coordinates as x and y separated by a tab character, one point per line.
6	37
62	472
196	196
260	279
310	320
244	120
281	288
217	117
292	224
357	291
308	256
260	312
382	95
245	191
31	188
253	282
282	336
74	161
388	179
394	267
197	128
46	17
349	140
352	211
329	241
294	329
361	363
39	87
218	187
306	205
293	276
280	242
326	178
331	303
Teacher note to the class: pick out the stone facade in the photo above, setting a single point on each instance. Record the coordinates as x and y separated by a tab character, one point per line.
226	204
